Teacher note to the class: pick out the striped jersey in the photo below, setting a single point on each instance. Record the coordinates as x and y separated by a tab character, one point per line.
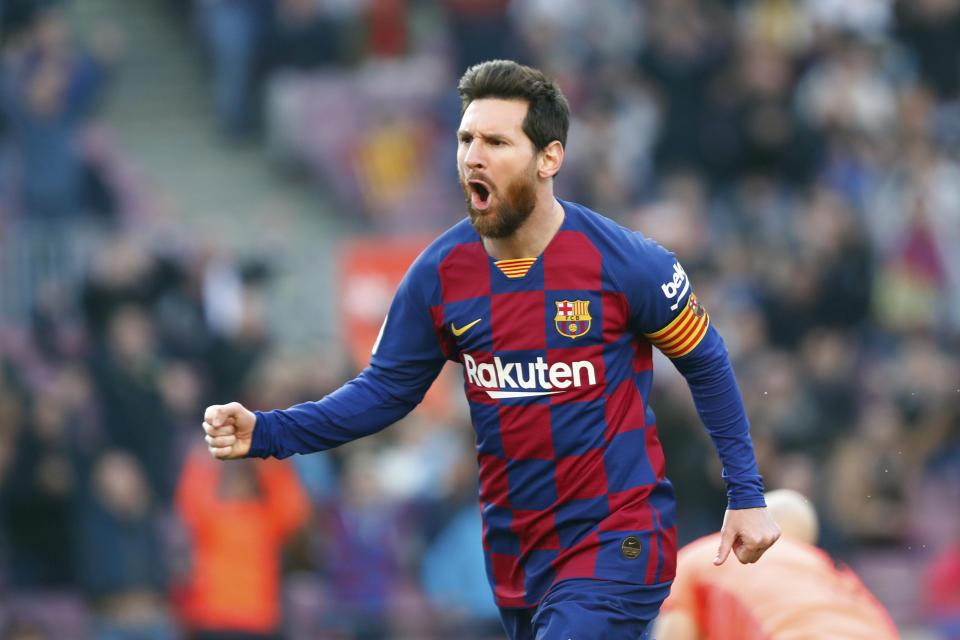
557	367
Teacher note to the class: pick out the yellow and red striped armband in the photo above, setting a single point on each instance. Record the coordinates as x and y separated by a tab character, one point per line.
684	332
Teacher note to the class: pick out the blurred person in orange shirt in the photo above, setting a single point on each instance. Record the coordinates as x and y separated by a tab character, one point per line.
256	507
795	592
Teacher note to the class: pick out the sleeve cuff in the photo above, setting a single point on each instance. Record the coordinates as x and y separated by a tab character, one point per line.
745	492
262	444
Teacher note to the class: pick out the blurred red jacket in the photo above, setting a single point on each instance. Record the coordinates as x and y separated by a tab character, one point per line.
239	515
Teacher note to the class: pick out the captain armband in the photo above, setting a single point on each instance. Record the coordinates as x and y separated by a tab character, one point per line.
684	332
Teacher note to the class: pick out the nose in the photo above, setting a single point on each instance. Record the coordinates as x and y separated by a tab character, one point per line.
473	157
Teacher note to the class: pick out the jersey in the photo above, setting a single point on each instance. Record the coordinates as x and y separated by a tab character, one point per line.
557	368
793	593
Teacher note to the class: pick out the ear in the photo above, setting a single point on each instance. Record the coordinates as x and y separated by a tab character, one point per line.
549	160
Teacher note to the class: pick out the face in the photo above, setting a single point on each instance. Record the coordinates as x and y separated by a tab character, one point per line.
497	164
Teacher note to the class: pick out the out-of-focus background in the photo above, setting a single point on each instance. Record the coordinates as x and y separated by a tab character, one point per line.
210	200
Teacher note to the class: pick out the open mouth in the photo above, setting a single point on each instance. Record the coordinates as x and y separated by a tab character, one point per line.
479	195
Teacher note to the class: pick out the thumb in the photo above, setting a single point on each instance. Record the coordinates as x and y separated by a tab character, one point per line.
726	543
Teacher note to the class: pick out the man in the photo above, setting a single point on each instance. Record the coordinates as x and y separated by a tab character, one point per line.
796	593
552	310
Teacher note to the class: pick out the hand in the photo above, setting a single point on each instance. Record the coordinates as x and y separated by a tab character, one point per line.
229	429
748	532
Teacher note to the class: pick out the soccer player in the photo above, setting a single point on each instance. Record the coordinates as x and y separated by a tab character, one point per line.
796	593
553	311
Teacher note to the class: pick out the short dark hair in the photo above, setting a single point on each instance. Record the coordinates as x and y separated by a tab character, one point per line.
548	114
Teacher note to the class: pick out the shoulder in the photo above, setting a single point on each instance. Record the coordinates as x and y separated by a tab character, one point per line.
451	241
458	248
621	247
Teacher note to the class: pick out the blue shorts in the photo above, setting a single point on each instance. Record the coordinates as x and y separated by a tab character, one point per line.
587	609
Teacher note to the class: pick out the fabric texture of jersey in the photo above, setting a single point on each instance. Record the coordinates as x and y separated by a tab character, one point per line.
793	593
557	368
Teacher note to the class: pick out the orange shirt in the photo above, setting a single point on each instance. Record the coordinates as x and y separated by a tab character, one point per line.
793	593
235	578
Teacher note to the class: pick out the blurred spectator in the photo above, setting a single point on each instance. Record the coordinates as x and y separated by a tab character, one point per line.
830	367
236	315
47	88
181	386
234	32
56	324
479	30
848	92
870	480
239	517
387	28
37	496
931	28
125	272
362	535
23	630
121	559
304	37
684	53
135	418
769	134
452	571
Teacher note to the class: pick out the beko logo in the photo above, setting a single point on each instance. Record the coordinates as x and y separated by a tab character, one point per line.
672	288
518	379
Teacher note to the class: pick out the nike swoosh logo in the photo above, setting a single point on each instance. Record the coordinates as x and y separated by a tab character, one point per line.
460	331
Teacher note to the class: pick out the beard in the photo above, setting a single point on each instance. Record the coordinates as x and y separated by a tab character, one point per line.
511	209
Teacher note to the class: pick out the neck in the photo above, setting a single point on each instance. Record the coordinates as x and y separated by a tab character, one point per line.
534	234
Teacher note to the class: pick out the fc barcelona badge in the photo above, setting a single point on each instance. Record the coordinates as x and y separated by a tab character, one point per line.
573	317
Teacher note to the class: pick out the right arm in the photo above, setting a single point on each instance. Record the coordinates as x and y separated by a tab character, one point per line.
406	359
368	403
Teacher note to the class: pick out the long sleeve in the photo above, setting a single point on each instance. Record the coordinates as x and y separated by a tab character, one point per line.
367	404
716	396
671	319
405	361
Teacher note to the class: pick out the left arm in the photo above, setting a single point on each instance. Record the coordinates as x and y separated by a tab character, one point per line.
670	317
748	530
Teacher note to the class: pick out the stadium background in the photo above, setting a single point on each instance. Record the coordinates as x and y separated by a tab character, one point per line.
213	199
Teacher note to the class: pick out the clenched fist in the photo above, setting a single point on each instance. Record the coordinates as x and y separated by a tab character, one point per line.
748	533
229	429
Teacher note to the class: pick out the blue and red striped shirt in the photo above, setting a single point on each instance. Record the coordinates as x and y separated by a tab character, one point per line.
557	365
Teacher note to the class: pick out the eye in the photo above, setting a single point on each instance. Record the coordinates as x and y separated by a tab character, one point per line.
464	138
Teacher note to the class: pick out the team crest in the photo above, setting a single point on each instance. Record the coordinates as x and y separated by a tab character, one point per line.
695	306
573	317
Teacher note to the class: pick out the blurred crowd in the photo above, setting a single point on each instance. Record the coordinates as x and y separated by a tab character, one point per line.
799	156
